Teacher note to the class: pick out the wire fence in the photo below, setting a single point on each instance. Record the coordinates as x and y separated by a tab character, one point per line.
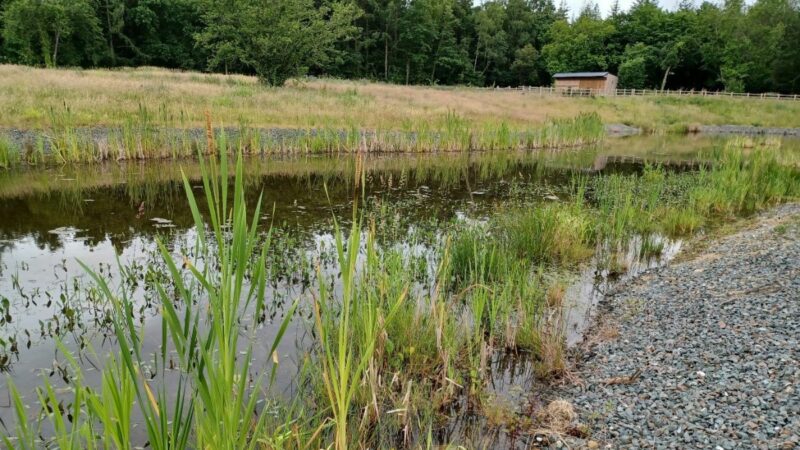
578	92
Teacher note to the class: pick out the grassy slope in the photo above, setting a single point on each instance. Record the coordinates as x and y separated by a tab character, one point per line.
103	97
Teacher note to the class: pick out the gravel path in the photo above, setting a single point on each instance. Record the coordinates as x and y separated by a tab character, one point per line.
704	353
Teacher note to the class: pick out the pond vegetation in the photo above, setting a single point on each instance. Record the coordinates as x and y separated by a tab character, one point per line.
162	136
404	326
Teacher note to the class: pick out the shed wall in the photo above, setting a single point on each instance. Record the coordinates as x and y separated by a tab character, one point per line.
607	84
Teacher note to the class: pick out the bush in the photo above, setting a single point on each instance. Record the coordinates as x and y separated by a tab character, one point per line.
633	74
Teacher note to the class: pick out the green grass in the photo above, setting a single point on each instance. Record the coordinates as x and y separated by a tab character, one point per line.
150	135
112	97
9	156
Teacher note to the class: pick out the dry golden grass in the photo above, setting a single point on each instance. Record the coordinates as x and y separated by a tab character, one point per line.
557	416
555	295
110	97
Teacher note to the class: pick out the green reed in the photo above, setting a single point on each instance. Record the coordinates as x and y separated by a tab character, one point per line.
159	133
215	399
9	155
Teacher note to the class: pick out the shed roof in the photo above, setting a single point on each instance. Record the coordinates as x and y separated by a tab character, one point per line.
581	75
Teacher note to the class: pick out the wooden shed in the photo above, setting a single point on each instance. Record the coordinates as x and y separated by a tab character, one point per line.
602	82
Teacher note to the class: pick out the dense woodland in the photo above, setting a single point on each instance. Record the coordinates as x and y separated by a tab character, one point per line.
731	46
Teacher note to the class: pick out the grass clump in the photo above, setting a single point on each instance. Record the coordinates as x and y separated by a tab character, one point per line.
159	134
548	234
9	155
681	221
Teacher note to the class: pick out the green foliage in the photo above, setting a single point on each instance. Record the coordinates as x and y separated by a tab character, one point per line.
52	32
732	46
526	66
632	74
212	399
579	46
275	39
548	234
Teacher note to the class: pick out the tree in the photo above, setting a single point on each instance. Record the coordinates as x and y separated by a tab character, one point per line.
579	46
734	44
526	66
162	33
633	73
47	32
491	45
113	15
277	39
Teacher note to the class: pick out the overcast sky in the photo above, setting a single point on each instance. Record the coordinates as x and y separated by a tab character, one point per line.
575	6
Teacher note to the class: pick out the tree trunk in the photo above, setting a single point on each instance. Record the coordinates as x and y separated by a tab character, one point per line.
386	55
664	81
435	60
55	49
110	35
408	70
477	48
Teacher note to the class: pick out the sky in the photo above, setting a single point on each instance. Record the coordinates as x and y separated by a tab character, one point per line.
575	6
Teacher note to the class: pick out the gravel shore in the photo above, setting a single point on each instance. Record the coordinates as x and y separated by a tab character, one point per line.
748	130
21	139
703	353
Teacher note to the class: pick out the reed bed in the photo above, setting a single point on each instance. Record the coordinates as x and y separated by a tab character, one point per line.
159	135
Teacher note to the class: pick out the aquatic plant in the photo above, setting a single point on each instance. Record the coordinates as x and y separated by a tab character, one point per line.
9	155
215	398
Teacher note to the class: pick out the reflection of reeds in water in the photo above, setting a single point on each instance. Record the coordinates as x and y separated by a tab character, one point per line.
446	170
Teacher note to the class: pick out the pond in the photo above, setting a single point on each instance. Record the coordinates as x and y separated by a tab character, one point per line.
110	217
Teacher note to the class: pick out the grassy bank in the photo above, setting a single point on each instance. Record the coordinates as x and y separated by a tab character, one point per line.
37	98
142	138
399	343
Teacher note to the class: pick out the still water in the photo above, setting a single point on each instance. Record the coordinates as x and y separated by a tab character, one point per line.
108	216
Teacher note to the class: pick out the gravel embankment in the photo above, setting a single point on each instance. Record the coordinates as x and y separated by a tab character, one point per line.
748	130
704	353
27	139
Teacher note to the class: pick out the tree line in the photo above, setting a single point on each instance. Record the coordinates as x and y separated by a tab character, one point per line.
731	45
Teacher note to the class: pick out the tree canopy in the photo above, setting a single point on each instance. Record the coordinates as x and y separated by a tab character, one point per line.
728	45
